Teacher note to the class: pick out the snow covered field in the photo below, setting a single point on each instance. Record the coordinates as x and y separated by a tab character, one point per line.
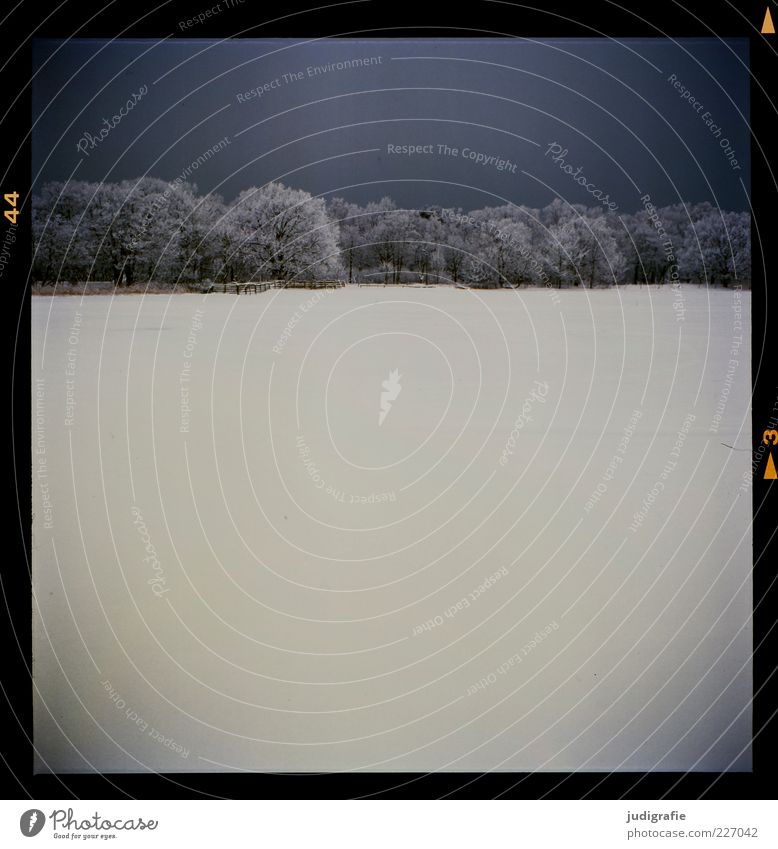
393	529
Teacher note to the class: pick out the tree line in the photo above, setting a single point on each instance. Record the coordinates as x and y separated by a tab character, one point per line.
149	230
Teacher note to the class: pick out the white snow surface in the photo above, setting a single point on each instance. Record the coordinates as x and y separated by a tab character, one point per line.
234	561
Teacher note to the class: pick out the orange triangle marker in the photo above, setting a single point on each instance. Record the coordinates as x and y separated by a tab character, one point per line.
767	27
769	472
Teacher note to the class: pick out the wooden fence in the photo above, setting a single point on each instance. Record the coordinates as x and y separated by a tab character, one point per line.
254	287
310	284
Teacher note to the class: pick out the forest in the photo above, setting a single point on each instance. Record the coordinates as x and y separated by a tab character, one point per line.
149	231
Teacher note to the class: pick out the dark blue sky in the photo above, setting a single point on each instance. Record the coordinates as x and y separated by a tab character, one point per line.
609	104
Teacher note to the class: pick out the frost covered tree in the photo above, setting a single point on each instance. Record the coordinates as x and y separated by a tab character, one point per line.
581	246
149	230
653	240
199	233
63	243
372	250
148	226
346	216
454	246
641	245
398	237
510	243
563	248
285	233
717	248
603	259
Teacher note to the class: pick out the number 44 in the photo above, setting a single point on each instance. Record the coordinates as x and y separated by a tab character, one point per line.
11	214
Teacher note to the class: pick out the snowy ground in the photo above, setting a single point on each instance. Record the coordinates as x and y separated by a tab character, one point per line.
237	567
